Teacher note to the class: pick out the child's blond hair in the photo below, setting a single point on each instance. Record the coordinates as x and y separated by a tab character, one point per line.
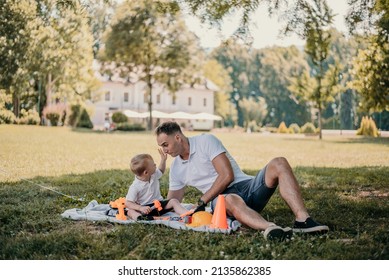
138	163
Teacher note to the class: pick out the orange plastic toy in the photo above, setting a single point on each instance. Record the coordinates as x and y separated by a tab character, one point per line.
157	204
120	204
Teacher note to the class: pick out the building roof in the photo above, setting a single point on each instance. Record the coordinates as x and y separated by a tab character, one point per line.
205	83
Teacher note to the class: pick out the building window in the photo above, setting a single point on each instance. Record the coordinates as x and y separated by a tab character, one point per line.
174	99
125	97
189	101
158	99
107	96
205	102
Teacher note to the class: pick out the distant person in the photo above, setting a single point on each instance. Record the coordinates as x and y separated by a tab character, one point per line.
203	162
107	125
145	189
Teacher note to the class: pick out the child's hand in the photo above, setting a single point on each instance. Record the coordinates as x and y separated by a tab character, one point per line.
145	210
163	155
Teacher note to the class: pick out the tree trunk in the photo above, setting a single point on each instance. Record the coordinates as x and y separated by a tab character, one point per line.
16	104
320	125
150	103
319	79
48	90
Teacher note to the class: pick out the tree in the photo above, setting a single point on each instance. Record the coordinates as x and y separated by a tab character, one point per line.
46	50
63	53
369	72
100	13
235	58
219	76
214	11
311	23
277	65
253	111
371	67
343	50
149	43
17	21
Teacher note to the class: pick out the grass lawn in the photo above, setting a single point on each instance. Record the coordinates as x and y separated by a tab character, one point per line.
344	180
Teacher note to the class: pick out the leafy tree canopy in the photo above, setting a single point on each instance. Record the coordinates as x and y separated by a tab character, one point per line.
149	42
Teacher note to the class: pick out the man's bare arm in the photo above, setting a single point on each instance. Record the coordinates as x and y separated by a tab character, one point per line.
226	176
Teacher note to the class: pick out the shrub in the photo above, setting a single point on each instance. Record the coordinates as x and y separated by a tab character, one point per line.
130	127
308	128
54	113
84	120
29	117
270	129
254	127
368	127
53	117
6	116
79	117
119	117
63	118
282	128
294	128
75	113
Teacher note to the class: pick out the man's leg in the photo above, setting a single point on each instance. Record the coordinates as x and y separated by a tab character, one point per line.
237	208
279	172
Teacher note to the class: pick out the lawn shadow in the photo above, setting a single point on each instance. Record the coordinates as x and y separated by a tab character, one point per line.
96	131
333	196
365	140
342	140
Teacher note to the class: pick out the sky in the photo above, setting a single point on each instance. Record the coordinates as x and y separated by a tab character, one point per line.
265	30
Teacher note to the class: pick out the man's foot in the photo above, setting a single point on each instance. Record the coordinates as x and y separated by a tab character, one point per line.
310	226
278	233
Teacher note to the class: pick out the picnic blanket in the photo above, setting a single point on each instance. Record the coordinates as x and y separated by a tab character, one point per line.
100	212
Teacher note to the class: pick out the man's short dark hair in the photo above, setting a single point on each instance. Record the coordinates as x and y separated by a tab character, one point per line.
168	128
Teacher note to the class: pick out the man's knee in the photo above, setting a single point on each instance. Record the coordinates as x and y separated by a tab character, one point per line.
278	165
279	161
234	202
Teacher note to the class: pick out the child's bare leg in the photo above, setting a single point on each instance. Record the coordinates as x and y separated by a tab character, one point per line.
133	214
176	205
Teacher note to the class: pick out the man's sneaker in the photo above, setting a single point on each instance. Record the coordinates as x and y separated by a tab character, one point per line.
309	226
278	233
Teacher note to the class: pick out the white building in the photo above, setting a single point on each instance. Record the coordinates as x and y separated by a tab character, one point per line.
120	96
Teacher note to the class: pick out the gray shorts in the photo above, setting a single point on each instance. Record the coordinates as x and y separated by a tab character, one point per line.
254	192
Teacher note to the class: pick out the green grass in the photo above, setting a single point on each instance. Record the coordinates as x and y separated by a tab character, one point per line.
344	181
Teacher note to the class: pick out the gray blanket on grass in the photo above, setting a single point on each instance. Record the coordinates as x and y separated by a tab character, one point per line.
98	212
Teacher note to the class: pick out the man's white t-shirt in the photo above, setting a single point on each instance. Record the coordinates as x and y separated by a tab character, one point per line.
198	171
142	192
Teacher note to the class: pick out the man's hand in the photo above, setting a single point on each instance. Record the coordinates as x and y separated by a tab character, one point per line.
200	206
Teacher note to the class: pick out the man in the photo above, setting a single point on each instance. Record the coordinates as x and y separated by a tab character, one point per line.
203	162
